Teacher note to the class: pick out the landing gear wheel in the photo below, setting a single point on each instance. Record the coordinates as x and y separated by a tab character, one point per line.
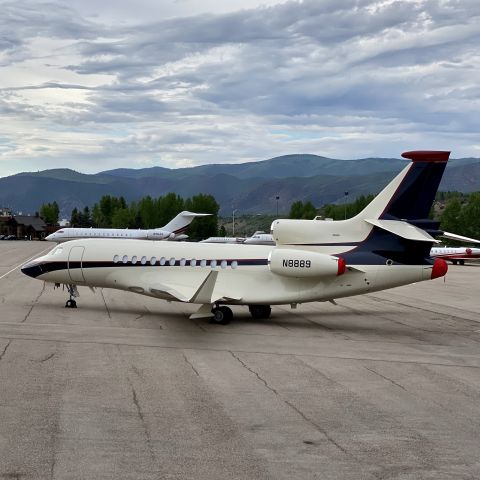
260	311
462	262
221	315
71	304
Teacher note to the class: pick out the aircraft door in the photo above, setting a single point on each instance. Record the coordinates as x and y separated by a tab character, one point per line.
75	264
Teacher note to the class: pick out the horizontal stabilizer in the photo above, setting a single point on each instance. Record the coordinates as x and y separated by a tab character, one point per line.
403	229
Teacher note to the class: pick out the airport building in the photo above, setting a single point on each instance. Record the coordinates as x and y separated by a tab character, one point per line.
22	226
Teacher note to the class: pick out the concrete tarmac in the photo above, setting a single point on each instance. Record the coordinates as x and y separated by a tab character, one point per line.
381	386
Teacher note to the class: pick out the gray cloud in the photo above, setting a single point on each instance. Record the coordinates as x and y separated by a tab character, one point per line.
298	76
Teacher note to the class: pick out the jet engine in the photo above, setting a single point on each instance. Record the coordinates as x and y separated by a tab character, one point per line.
302	264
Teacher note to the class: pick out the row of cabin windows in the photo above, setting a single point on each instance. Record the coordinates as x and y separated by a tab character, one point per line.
104	234
183	261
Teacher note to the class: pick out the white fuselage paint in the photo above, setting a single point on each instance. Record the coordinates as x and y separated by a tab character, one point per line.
455	253
235	284
68	234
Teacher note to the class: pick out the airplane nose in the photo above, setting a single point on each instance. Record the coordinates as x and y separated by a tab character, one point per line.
32	269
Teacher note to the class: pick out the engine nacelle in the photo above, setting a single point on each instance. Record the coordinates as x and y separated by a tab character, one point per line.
303	264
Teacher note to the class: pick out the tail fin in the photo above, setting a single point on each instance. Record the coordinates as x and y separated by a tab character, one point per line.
179	224
410	195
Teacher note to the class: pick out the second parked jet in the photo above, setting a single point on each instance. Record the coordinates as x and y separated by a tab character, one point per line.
173	230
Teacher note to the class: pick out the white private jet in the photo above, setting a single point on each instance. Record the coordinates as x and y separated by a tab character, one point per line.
235	240
173	230
456	254
386	245
258	238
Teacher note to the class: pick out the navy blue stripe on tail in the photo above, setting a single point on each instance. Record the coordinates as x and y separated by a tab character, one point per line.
414	197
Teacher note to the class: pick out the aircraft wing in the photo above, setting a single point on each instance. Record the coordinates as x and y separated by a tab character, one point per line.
188	288
454	236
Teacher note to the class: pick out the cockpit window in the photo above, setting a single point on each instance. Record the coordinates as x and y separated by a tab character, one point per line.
57	251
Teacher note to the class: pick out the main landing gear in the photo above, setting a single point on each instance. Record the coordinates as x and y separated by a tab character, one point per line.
223	315
73	292
260	311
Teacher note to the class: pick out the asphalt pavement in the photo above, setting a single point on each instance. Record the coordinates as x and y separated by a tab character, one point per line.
380	386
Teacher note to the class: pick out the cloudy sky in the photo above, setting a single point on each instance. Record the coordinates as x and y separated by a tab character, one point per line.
186	82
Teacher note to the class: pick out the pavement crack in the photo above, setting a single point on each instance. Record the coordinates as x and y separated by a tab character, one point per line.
191	365
5	349
48	357
52	466
33	304
317	427
143	422
105	302
256	374
292	406
386	378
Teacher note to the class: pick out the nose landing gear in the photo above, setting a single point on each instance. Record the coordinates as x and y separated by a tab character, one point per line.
73	292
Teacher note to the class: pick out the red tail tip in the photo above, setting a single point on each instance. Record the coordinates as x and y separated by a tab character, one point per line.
427	155
440	268
342	266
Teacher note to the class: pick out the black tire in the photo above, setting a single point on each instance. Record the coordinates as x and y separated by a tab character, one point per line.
71	304
260	311
221	315
462	262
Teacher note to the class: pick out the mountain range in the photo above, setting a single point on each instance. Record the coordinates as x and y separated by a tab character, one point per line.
249	187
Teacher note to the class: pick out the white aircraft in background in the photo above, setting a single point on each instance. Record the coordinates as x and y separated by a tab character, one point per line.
258	238
386	245
235	240
456	254
173	230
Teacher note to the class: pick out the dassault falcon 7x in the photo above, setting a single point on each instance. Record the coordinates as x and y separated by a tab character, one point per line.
384	246
173	230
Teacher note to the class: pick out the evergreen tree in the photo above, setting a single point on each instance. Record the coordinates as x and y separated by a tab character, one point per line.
74	218
450	219
296	210
50	213
300	210
203	227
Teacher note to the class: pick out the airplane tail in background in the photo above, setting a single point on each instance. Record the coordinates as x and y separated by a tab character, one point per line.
180	223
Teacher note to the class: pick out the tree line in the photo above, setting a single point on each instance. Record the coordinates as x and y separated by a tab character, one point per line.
457	212
307	211
461	214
